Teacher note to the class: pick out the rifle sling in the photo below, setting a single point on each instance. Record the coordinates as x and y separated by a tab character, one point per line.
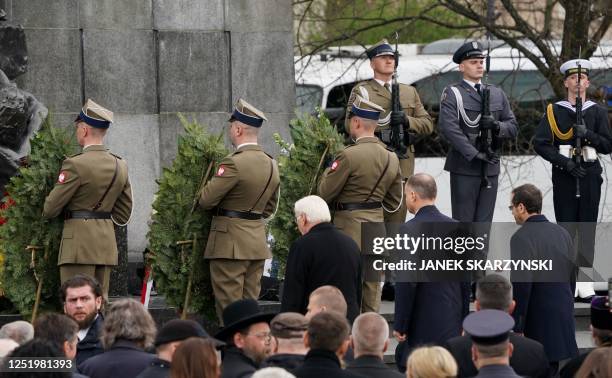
108	187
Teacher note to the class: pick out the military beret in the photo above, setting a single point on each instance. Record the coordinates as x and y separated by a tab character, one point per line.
247	114
571	67
288	325
488	327
601	316
95	115
468	50
178	330
365	109
381	48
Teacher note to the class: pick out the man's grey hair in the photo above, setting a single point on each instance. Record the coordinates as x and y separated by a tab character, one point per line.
272	372
127	319
19	331
314	208
370	331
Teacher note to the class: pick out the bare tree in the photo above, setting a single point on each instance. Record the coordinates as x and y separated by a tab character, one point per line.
529	26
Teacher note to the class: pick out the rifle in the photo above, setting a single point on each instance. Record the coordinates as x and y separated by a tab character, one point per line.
397	130
579	122
486	136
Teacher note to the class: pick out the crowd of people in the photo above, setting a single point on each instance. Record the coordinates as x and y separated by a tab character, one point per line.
122	341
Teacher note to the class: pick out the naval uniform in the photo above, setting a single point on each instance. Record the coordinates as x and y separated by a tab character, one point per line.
547	140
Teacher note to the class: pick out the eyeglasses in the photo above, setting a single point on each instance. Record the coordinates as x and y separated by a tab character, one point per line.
510	207
266	336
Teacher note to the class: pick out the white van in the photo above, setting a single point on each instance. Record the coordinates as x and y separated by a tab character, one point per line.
325	81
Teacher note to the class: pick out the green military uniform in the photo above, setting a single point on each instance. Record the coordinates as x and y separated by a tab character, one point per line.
246	185
93	189
365	172
419	120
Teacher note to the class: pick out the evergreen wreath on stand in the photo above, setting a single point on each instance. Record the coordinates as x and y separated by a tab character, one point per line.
179	230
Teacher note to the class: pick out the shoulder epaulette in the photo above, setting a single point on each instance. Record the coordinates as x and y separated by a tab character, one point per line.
117	156
77	154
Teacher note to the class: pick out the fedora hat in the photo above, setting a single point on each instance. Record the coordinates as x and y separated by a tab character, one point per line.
241	314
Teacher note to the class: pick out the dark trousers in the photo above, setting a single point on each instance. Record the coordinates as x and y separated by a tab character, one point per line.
578	215
470	201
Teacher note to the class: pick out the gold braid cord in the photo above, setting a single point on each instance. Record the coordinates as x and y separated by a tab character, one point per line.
550	114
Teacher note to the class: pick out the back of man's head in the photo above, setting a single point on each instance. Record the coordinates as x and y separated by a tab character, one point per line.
488	351
494	292
424	185
19	331
36	348
314	208
370	334
326	298
288	329
327	331
58	329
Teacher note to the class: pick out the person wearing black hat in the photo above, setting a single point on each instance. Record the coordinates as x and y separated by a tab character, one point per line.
247	334
555	140
491	349
243	192
93	192
167	340
601	331
459	123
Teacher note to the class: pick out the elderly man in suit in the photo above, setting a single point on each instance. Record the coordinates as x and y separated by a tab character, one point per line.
323	256
426	312
494	292
535	301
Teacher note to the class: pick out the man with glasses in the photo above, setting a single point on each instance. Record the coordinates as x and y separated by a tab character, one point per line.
538	294
247	334
93	191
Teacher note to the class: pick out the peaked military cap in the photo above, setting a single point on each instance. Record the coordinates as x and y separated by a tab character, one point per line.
247	114
601	315
488	327
288	325
571	67
365	109
381	48
468	50
95	115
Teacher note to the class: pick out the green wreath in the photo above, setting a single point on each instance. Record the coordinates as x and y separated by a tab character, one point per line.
30	277
315	142
179	230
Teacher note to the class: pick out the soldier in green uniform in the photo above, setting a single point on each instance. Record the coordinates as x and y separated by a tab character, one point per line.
93	191
413	117
243	191
363	180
